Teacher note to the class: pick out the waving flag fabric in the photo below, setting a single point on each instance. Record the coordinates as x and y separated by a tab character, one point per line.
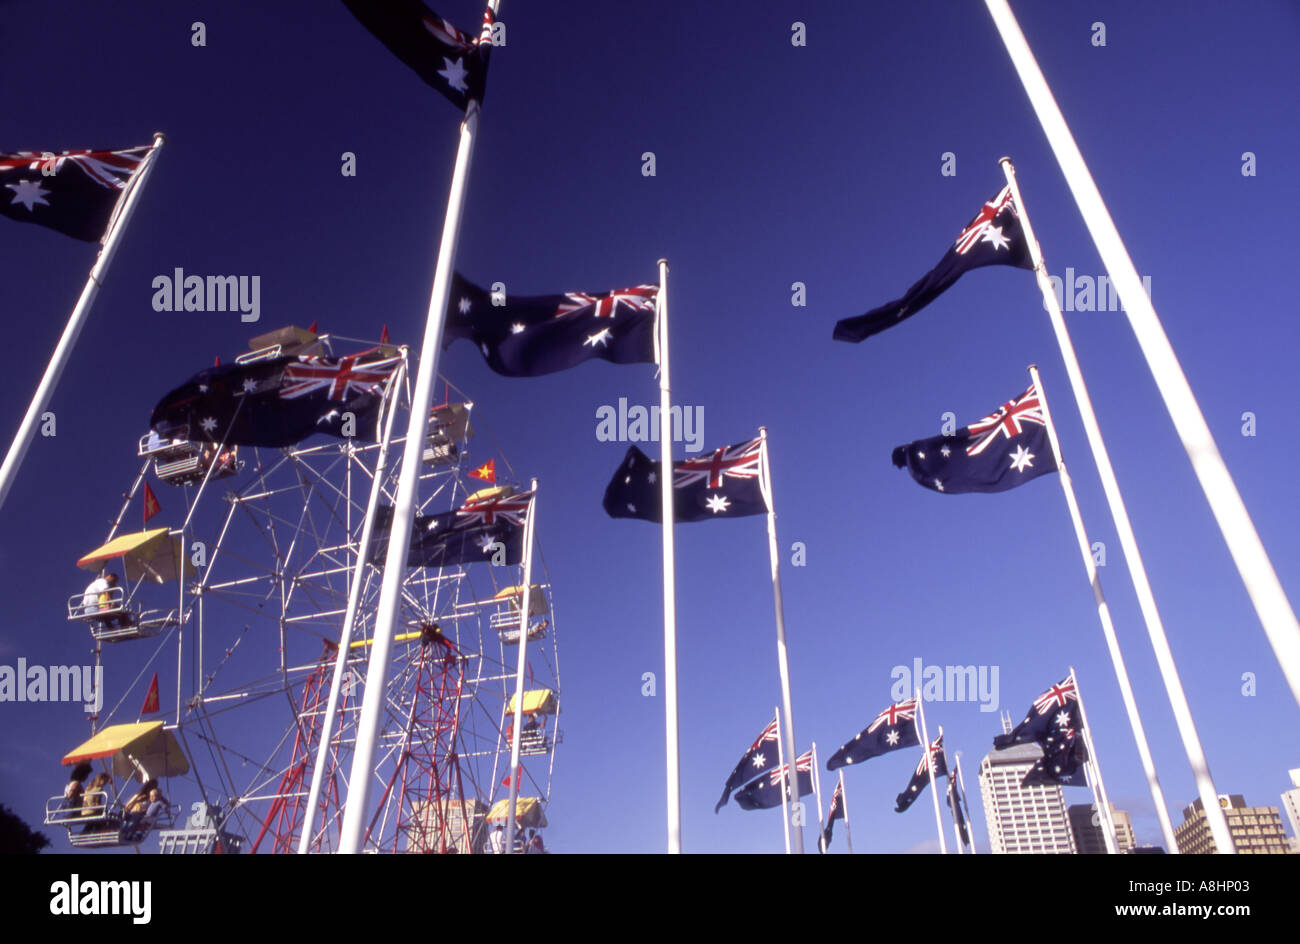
761	757
448	60
893	728
765	793
528	336
836	812
486	531
921	778
724	483
1006	448
74	192
277	402
994	237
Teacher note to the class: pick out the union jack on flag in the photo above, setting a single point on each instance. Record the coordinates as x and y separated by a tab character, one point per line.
638	299
106	168
1058	696
740	462
487	510
901	711
978	228
1009	420
803	765
336	379
935	751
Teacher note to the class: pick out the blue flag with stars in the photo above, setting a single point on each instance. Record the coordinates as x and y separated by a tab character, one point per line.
761	757
893	728
724	483
1006	448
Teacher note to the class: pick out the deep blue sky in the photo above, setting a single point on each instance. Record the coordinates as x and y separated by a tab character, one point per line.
774	164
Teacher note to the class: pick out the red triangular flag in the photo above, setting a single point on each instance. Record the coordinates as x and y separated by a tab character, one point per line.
383	335
519	779
216	361
151	507
487	471
312	329
150	705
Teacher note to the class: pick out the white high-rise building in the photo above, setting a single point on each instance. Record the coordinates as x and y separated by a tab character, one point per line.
1291	803
1022	819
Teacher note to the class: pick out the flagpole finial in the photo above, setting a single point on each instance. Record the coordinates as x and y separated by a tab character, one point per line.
1005	160
663	262
159	137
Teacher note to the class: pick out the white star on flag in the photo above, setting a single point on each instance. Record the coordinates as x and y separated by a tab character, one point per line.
516	328
208	423
891	738
1022	459
29	193
601	337
464	305
718	503
994	235
454	73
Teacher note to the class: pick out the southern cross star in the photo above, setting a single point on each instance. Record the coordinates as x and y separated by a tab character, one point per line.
208	423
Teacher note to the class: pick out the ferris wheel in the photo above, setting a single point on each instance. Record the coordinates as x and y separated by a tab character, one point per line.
242	603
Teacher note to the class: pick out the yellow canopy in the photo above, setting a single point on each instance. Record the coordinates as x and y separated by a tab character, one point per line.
536	701
528	812
536	599
145	554
496	491
132	746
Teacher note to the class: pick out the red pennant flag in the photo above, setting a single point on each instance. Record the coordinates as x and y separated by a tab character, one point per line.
519	779
150	705
151	507
216	361
312	329
487	471
383	335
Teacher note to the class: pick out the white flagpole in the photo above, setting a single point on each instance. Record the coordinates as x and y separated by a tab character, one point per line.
817	789
390	598
670	569
785	793
844	801
782	661
934	791
1098	785
1128	541
1253	564
1103	610
350	618
961	788
522	665
952	813
77	320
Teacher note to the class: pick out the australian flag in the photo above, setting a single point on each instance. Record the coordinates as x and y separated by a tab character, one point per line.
489	529
527	336
922	775
278	402
762	756
836	812
893	728
450	61
1056	708
724	483
74	192
994	237
955	803
1062	762
1007	448
765	792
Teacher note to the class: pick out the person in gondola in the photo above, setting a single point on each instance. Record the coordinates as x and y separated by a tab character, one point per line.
142	813
497	841
95	802
98	598
74	792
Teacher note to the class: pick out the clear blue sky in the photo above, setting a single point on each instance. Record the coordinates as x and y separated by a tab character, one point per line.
775	164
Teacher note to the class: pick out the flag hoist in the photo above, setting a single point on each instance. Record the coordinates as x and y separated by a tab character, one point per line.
929	763
1132	558
1252	561
390	599
121	216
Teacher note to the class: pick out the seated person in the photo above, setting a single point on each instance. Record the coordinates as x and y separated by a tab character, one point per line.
74	792
99	597
142	813
95	802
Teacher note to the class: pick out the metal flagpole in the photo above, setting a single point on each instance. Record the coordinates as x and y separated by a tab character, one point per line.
934	791
1128	541
1253	564
817	789
1098	785
524	604
848	834
785	794
952	812
1103	611
782	661
390	598
77	320
350	618
961	789
670	571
